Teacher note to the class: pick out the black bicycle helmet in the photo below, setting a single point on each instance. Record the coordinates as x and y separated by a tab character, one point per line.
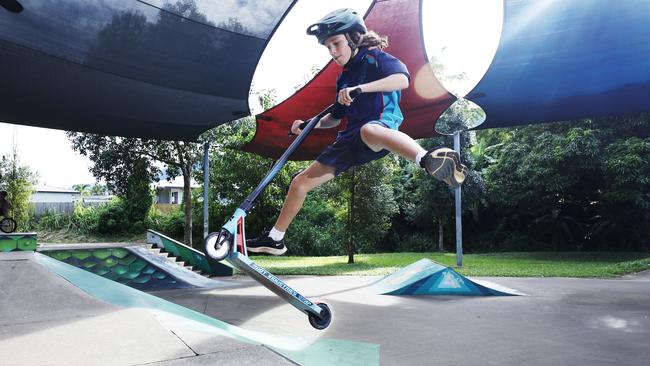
341	21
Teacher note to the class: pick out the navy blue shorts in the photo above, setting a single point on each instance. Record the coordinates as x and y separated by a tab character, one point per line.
349	151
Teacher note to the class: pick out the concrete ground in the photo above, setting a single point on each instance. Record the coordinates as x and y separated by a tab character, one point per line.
55	314
46	320
562	321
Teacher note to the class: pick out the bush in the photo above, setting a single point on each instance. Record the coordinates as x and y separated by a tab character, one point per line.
315	231
417	242
53	221
171	224
84	219
110	218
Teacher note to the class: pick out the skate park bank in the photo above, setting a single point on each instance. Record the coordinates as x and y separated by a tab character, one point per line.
75	316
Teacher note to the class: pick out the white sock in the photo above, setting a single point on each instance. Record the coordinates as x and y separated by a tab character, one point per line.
419	156
276	234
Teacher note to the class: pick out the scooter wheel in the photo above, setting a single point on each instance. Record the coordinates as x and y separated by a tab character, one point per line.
218	245
319	323
8	225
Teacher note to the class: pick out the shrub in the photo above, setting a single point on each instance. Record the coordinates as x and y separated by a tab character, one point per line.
171	224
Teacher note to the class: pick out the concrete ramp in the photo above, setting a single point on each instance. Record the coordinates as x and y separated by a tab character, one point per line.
131	265
56	314
426	277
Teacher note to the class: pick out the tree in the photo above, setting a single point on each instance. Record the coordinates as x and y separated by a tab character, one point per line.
235	173
366	204
542	178
83	189
626	193
18	180
98	190
574	185
119	160
431	203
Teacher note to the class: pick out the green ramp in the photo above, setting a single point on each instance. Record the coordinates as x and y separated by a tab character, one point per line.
319	351
17	242
426	277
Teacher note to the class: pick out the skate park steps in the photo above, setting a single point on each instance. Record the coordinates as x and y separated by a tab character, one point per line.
189	255
426	277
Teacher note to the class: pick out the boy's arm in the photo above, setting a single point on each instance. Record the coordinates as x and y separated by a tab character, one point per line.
328	121
390	83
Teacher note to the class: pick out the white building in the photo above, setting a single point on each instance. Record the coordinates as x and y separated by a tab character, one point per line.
54	199
171	192
46	194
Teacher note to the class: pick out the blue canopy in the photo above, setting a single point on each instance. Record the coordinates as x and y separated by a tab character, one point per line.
156	68
568	59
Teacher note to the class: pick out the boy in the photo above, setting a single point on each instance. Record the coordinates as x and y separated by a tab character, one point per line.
373	117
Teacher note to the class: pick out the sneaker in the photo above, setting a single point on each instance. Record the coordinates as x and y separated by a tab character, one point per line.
264	244
444	164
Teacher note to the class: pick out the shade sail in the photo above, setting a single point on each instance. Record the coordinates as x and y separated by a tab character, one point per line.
155	69
422	103
560	60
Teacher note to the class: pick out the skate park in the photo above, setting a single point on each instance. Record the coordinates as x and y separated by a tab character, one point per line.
66	315
123	304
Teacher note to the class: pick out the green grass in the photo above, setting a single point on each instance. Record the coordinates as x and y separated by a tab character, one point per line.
521	264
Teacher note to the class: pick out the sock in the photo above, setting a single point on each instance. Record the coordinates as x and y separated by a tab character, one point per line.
276	235
419	156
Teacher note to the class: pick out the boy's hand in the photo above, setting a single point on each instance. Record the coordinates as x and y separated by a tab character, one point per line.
344	96
295	127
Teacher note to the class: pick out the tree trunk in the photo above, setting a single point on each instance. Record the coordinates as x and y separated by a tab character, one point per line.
350	246
440	236
187	202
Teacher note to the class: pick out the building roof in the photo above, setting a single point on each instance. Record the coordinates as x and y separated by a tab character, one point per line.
50	189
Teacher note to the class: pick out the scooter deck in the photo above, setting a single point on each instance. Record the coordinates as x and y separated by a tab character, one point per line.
271	282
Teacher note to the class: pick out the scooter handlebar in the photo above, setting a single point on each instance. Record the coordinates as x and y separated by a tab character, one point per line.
354	93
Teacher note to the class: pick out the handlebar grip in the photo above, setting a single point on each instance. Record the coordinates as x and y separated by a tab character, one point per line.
354	93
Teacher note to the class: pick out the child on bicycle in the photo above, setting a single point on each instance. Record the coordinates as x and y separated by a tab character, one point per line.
5	205
373	118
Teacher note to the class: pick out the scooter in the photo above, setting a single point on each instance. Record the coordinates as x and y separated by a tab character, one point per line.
229	243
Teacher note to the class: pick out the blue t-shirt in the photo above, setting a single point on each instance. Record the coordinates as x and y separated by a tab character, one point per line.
366	66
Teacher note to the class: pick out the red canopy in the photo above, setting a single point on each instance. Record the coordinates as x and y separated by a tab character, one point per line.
422	103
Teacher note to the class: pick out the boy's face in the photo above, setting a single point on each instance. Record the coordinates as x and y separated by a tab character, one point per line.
339	49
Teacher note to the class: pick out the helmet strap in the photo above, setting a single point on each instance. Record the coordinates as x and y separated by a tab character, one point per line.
351	43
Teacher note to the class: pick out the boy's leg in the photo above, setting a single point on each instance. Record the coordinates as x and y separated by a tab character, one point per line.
442	163
378	137
315	175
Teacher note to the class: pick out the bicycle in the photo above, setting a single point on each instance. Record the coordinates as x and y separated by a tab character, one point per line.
8	225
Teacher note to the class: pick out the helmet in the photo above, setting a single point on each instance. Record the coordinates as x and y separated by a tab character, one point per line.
341	21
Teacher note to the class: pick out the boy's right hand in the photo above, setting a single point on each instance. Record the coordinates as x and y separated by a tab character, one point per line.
295	127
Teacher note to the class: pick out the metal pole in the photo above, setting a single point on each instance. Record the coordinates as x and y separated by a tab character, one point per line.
459	220
206	186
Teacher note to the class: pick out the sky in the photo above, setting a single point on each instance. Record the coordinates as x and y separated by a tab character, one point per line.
462	34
